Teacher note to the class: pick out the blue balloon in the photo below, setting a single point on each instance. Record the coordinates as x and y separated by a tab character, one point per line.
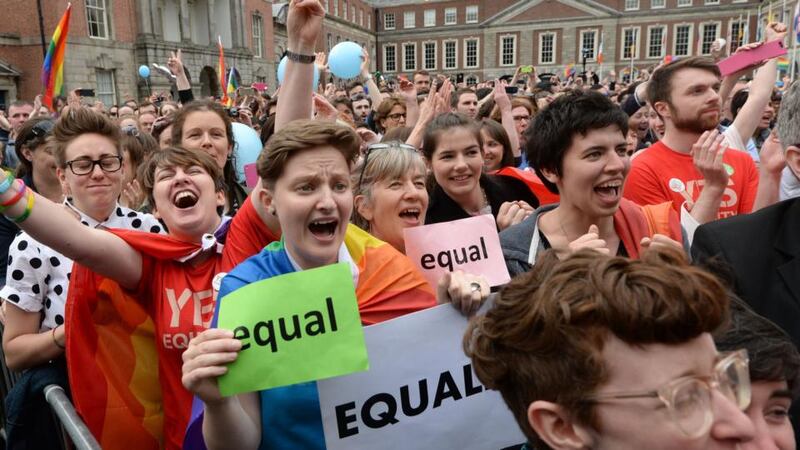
247	146
282	70
144	71
345	60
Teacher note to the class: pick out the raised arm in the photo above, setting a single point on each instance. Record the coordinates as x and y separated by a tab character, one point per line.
408	91
303	26
55	227
507	119
372	87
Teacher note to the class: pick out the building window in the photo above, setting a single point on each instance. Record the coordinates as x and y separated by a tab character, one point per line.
409	19
336	8
430	17
684	3
656	40
390	58
369	21
409	57
630	43
450	16
709	34
588	45
471	80
471	55
344	9
258	32
712	2
508	50
330	42
388	21
683	41
472	14
450	52
97	18
547	48
631	5
737	35
353	14
361	17
658	4
106	89
327	5
429	56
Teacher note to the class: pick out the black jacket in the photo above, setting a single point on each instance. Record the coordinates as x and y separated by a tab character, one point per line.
499	189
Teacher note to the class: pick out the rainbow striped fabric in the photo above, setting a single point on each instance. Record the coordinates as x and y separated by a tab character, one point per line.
221	71
783	63
53	66
233	84
569	70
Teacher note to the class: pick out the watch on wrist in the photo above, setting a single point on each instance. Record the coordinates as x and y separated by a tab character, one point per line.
367	77
300	58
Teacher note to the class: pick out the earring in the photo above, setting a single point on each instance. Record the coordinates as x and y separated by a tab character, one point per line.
271	210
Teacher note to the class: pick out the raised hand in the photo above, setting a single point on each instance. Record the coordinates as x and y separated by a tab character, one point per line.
512	213
207	359
466	292
304	24
707	154
590	240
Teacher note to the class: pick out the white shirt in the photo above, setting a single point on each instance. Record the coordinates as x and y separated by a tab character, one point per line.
38	276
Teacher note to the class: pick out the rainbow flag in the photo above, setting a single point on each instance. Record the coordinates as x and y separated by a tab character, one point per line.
230	88
53	66
569	70
600	53
221	71
783	63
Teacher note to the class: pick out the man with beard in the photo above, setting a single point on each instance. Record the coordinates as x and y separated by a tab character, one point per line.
690	166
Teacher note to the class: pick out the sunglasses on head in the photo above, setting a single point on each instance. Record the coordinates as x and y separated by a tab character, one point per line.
381	146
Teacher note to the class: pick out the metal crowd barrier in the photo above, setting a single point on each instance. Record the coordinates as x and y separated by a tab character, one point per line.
73	425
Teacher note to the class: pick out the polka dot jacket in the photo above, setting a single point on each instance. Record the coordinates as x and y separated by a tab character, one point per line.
38	276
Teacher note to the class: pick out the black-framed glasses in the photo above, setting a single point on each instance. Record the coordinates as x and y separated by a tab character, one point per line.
107	164
396	116
381	146
689	399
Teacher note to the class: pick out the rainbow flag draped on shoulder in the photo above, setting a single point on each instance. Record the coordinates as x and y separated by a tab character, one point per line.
388	286
53	66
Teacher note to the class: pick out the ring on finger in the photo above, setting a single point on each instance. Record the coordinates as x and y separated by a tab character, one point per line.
474	287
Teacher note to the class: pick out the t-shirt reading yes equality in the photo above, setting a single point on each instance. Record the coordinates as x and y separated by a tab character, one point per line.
660	174
182	299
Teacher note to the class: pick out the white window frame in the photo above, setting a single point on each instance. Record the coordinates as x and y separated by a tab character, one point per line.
632	5
429	14
690	39
541	47
502	37
406	67
386	17
258	35
386	57
327	5
596	33
344	9
684	3
361	17
449	11
409	19
711	2
425	65
99	94
702	26
444	54
353	13
660	41
102	14
661	4
636	46
369	21
742	25
477	41
336	8
472	10
473	77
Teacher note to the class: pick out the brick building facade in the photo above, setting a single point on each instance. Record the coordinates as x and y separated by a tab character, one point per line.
485	39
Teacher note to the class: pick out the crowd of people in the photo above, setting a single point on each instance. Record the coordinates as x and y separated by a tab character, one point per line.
647	224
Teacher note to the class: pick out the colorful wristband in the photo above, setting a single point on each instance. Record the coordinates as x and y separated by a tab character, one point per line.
6	183
28	209
13	200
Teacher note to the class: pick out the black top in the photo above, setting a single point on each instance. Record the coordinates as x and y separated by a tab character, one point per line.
499	189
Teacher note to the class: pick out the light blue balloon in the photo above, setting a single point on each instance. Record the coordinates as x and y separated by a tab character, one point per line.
144	71
345	60
282	70
247	146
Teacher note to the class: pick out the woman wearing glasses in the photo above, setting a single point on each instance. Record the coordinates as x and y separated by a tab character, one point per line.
452	147
391	114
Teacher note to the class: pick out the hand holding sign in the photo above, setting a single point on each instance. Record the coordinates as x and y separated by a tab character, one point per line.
466	292
207	358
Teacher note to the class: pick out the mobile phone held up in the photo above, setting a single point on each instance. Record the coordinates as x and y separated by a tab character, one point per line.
512	90
85	92
526	69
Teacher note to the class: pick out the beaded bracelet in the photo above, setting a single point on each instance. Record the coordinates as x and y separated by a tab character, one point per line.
28	209
6	183
13	200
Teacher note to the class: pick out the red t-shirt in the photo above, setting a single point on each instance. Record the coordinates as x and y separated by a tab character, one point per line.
660	174
182	303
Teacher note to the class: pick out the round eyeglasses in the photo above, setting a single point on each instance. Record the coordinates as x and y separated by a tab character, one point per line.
107	164
688	399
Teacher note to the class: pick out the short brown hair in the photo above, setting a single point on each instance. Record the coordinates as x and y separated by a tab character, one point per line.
303	135
177	157
544	337
81	121
659	86
385	108
139	146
